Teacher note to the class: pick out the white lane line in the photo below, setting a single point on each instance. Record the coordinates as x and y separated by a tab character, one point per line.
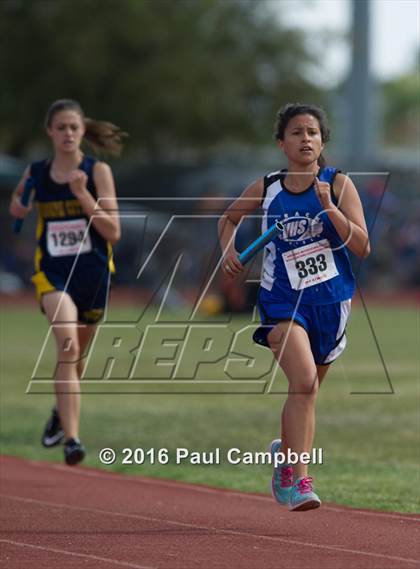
217	530
72	553
349	510
206	489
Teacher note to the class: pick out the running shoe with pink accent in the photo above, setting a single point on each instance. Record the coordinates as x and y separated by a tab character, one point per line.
282	479
302	496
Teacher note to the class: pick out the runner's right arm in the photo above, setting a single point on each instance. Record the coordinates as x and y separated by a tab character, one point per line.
16	208
248	202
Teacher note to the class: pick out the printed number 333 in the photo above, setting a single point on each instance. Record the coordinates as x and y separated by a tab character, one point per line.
311	266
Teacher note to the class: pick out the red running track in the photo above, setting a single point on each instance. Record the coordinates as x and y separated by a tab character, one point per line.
54	516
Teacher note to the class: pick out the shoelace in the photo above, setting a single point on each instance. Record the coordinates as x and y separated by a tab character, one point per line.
286	476
305	485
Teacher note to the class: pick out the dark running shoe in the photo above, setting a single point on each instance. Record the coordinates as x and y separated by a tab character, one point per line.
53	433
74	452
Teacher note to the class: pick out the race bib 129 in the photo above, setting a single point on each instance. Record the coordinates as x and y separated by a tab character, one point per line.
310	265
68	237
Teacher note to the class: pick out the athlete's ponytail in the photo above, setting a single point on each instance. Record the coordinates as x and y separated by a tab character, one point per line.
101	136
104	136
293	109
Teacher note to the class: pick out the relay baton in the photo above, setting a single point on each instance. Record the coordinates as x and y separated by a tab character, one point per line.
24	199
256	246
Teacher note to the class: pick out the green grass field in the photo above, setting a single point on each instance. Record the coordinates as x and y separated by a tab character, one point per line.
369	435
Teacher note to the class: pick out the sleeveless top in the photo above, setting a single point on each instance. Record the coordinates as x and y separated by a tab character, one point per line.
62	232
308	262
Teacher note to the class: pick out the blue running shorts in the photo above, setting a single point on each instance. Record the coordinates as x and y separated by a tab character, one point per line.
325	324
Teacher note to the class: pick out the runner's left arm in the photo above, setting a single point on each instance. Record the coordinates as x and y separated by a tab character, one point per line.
104	210
348	217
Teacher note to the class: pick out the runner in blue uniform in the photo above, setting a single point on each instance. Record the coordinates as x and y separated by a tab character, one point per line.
73	259
307	282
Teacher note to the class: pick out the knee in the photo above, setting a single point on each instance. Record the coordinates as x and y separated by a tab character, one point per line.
305	385
69	350
275	341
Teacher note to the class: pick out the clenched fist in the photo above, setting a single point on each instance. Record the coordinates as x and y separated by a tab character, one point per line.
323	192
78	182
231	265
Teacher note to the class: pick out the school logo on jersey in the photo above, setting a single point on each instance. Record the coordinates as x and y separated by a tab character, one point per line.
301	228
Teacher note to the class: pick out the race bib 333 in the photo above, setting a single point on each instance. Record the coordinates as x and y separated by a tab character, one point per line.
310	265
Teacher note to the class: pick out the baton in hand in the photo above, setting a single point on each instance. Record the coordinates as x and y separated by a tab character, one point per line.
24	200
256	246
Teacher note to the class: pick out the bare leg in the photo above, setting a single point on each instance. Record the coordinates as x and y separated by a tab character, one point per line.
290	345
322	371
85	334
62	314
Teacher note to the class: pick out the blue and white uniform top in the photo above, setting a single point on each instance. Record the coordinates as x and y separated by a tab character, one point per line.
308	262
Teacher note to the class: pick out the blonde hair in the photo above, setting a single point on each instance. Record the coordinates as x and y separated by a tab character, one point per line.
102	136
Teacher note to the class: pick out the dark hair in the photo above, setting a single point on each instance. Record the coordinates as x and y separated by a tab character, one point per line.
102	136
286	113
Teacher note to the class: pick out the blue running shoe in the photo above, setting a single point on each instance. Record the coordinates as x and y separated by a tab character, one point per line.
302	496
282	479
